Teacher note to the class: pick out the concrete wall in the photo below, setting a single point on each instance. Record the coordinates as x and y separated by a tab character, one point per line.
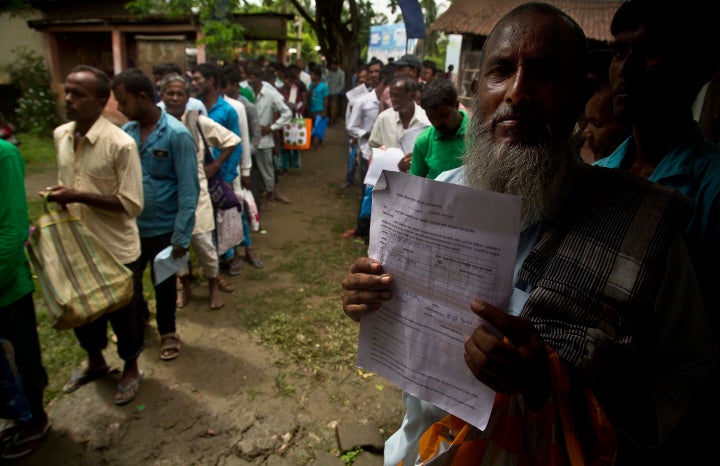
16	33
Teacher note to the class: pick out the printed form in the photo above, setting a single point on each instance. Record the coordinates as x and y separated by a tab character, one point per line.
445	245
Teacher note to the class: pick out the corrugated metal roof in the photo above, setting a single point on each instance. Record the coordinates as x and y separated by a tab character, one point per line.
479	16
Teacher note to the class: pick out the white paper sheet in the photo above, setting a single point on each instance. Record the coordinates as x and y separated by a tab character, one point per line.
165	265
408	137
357	91
444	245
386	159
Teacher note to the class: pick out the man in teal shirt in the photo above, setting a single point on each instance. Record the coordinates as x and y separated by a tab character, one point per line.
658	68
439	147
170	188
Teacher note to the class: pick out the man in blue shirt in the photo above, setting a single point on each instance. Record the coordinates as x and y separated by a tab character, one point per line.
170	188
206	79
206	82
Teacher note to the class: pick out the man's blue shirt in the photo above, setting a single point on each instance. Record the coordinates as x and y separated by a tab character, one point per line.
170	180
692	168
223	113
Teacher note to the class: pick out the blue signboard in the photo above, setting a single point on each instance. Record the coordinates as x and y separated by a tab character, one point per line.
389	40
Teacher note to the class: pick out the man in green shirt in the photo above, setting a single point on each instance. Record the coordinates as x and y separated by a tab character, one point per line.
439	147
18	328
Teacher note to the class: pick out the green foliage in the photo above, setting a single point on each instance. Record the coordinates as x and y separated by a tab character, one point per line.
36	106
349	457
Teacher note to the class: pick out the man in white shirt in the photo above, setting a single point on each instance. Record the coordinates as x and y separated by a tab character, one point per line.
362	118
267	101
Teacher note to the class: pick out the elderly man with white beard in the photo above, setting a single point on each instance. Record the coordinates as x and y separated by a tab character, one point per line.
602	274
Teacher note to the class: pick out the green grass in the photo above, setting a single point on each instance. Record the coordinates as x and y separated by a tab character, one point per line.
38	152
302	320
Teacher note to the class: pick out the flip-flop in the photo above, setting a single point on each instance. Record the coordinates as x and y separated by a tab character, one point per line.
255	261
234	269
169	346
133	388
8	429
17	449
81	376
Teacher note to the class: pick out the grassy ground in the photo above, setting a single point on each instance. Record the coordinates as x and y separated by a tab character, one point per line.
300	320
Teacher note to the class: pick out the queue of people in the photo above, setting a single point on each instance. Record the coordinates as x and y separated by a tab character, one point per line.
140	184
618	251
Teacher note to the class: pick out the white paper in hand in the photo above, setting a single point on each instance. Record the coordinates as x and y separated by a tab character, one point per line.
166	265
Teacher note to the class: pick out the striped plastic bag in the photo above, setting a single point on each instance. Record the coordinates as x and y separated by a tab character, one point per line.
79	278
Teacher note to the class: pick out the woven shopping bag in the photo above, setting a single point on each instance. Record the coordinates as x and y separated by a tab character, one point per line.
79	278
297	133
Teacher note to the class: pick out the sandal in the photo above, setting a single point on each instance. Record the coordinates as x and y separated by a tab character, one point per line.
235	269
16	448
254	260
169	346
8	429
126	393
225	286
82	376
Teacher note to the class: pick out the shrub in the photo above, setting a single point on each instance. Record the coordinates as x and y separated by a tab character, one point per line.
35	109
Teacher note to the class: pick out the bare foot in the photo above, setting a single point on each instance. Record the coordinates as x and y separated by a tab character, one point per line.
216	299
184	295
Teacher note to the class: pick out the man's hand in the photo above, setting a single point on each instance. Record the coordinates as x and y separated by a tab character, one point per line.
265	130
514	363
245	182
178	251
404	163
365	287
61	194
211	169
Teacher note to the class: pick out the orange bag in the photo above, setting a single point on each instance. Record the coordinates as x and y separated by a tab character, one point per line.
296	134
555	435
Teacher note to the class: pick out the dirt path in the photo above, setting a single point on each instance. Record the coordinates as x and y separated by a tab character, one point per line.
219	403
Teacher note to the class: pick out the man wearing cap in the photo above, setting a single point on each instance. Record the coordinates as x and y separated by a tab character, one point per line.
408	65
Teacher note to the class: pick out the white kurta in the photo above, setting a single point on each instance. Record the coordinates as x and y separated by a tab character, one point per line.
218	136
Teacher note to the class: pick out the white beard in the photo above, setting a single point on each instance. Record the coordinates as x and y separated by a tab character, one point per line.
535	173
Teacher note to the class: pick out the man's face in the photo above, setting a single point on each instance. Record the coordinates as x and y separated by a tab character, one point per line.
200	84
445	118
427	74
255	82
128	103
175	98
640	74
603	131
232	90
528	100
362	77
81	101
407	70
399	96
529	90
373	74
